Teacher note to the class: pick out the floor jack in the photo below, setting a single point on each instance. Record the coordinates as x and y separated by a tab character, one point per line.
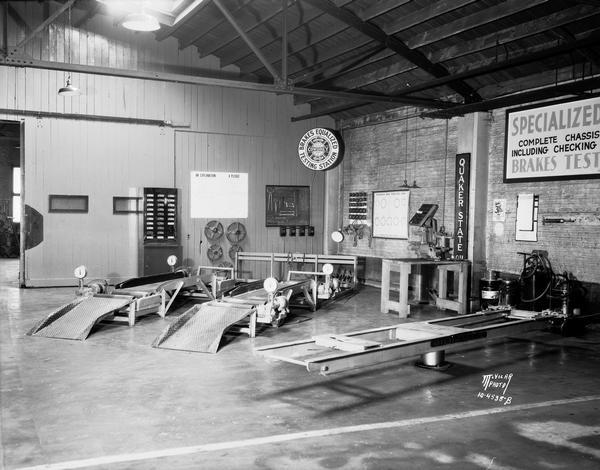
328	354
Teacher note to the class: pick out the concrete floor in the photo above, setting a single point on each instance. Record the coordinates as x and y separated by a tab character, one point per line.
114	402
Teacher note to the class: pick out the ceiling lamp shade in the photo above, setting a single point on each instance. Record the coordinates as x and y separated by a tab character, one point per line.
141	22
68	89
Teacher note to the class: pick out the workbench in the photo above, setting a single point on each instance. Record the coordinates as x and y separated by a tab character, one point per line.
404	266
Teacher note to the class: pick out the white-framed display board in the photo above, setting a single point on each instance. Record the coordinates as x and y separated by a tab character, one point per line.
390	214
216	194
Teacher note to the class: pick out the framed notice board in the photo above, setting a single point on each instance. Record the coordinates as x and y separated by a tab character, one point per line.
287	205
390	214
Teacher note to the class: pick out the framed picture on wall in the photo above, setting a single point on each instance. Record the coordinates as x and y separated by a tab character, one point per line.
287	205
390	214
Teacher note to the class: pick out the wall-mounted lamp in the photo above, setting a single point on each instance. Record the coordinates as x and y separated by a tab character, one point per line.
141	22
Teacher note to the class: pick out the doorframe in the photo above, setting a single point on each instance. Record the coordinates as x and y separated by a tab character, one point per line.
22	233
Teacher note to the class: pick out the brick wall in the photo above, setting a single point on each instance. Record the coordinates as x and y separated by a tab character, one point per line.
380	157
572	247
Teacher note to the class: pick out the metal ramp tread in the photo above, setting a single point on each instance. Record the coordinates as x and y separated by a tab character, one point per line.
76	319
201	327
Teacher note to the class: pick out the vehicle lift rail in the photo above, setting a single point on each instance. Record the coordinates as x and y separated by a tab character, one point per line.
328	354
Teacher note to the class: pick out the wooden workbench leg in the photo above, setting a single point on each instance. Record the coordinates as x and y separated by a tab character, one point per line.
385	286
462	288
404	309
442	282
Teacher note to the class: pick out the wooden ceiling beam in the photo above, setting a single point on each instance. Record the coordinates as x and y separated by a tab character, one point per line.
474	20
344	66
302	20
18	19
357	79
404	22
432	10
42	25
380	8
224	42
374	32
169	31
522	59
566	35
555	91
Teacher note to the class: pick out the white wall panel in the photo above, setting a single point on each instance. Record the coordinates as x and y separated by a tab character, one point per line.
229	130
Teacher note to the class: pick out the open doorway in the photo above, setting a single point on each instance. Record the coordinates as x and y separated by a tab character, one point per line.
11	203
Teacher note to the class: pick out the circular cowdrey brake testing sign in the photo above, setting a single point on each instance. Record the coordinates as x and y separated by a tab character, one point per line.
319	149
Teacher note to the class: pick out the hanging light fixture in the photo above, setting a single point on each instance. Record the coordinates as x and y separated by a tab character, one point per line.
69	89
141	22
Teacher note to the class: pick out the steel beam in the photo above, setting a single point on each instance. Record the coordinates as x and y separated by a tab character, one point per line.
247	40
87	117
210	81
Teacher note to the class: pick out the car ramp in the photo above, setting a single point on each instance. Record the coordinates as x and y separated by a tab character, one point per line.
76	319
200	328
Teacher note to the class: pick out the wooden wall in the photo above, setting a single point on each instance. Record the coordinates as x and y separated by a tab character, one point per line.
223	129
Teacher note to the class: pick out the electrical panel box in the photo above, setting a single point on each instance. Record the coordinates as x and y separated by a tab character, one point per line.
160	215
160	230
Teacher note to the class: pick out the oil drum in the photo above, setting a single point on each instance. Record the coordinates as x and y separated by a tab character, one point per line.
489	292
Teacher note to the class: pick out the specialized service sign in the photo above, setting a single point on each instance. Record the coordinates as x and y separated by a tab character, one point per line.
319	149
557	141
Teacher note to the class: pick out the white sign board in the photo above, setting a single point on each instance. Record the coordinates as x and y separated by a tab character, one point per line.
390	214
218	195
557	141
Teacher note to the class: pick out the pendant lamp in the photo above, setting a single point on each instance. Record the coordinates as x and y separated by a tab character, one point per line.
69	89
141	22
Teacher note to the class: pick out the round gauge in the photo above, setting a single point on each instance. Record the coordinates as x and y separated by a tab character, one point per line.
172	260
328	268
337	236
270	285
80	272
